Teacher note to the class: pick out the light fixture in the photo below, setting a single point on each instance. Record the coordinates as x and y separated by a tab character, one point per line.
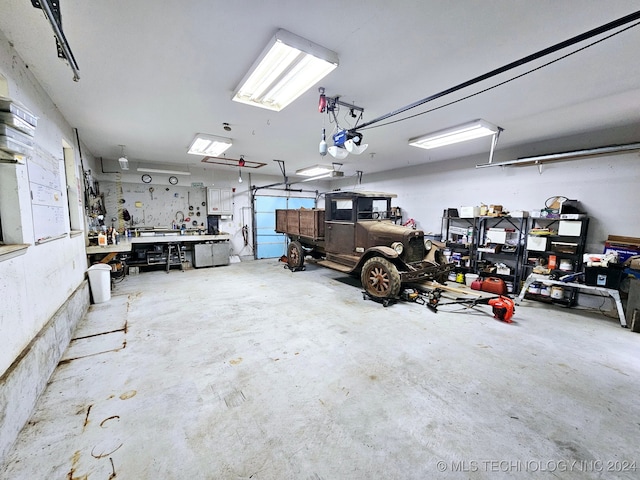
322	148
337	152
241	163
330	175
346	142
287	67
315	170
353	147
123	161
209	145
158	170
461	133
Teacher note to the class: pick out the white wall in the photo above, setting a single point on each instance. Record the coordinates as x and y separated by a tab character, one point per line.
608	188
35	285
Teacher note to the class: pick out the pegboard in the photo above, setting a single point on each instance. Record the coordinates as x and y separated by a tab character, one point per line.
154	205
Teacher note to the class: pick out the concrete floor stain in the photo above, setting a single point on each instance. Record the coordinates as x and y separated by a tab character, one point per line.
128	395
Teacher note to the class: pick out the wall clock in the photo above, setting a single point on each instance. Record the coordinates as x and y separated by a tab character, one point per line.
146	178
173	180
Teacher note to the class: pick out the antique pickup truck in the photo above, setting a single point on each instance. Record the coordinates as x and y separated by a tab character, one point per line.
355	234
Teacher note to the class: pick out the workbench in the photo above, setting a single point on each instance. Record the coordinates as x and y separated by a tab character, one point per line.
535	277
110	251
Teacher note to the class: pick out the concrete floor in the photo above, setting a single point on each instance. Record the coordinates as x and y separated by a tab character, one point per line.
252	371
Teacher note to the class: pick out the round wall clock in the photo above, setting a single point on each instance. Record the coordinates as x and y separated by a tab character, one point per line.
146	178
173	180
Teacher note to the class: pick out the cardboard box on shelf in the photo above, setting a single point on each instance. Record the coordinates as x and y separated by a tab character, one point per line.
469	212
500	235
570	228
537	243
625	246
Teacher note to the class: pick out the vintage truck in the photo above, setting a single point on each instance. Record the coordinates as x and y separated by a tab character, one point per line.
356	234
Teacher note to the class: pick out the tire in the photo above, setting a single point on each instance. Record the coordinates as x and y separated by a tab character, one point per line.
380	278
295	255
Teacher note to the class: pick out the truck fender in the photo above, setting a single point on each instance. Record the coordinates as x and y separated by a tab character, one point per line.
378	251
386	252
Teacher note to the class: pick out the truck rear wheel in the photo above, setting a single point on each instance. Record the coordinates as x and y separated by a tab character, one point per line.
295	255
380	278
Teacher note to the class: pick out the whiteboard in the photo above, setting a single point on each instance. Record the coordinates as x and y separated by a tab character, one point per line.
46	175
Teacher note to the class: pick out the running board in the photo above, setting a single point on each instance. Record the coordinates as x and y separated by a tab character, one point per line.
334	266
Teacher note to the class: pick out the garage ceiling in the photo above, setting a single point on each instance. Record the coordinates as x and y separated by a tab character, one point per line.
153	74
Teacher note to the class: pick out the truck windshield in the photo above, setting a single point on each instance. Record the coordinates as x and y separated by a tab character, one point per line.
373	208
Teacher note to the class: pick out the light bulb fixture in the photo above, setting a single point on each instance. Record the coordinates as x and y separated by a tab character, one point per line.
337	152
209	145
123	161
287	67
351	147
239	175
461	133
322	148
346	142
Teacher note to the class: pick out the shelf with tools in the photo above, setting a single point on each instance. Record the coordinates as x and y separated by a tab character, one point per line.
499	248
458	235
555	244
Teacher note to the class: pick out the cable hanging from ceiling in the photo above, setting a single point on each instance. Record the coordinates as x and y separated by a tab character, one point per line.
554	48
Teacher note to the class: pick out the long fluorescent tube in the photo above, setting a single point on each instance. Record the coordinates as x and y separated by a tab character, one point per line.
332	174
461	133
287	67
209	145
315	170
158	170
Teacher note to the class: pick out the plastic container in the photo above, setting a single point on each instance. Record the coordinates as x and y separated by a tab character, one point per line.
11	106
100	282
23	138
469	278
17	122
14	146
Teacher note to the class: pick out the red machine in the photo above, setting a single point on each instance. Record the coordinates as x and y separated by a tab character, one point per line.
503	307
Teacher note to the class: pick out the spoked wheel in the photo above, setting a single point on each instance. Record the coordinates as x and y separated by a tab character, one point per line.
295	256
380	278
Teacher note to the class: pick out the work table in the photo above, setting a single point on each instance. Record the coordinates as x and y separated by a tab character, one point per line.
125	245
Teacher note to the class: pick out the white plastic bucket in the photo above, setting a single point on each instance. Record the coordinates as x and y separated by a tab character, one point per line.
469	278
100	282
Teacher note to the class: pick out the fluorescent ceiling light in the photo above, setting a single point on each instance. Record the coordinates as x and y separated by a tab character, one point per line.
124	163
159	170
287	67
315	170
209	145
331	174
461	133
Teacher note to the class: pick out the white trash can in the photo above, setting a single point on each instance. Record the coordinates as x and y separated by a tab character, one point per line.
100	282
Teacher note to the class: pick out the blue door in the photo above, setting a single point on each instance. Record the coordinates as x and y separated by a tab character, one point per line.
270	244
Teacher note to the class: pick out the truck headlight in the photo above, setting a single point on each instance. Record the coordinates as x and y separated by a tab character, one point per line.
427	244
398	247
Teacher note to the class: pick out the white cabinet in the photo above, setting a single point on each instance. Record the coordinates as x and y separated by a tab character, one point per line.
219	201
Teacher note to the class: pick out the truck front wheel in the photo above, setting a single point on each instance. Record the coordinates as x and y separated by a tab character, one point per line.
295	255
380	278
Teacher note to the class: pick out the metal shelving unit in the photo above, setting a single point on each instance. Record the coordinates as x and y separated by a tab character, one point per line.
494	252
